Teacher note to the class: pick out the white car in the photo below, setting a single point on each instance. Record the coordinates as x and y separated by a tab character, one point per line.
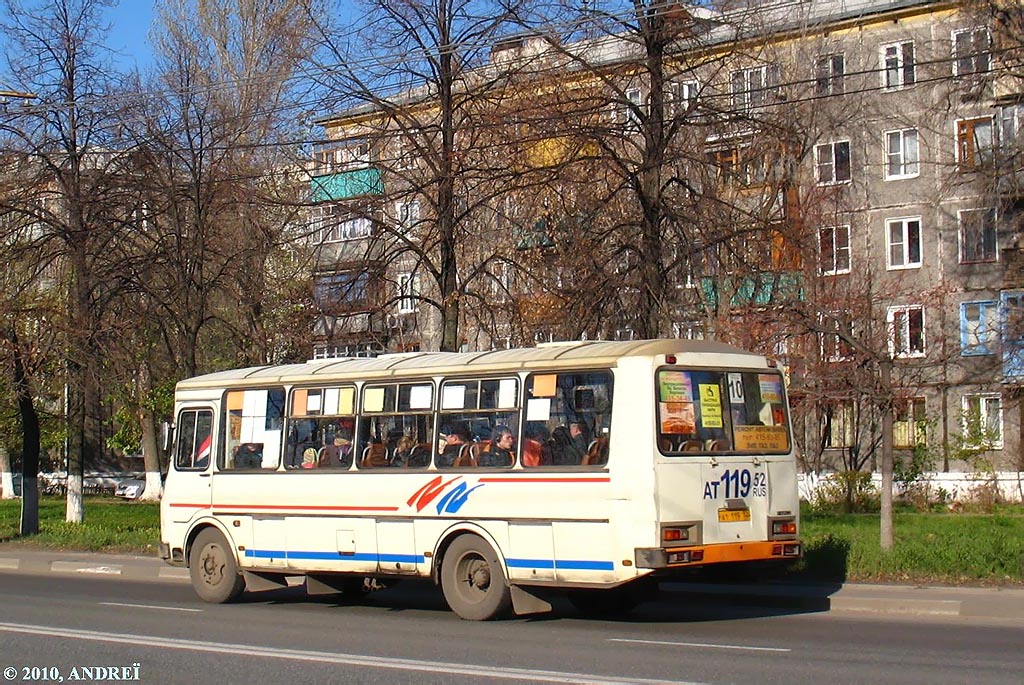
130	488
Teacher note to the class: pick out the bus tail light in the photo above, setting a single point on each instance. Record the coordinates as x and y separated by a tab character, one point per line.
680	533
675	534
783	527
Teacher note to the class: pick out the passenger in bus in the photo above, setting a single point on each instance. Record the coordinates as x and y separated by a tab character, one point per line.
249	455
501	450
402	451
337	454
536	451
456	437
580	434
310	458
564	451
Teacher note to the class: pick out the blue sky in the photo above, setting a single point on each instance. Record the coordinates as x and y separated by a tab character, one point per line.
129	32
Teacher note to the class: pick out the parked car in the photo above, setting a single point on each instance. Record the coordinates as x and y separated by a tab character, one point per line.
130	488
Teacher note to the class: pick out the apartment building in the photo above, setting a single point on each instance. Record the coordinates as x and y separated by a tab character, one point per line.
838	187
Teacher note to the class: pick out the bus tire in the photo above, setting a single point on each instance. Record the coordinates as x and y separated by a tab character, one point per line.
213	570
472	580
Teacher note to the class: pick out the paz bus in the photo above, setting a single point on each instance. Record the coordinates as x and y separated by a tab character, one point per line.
588	468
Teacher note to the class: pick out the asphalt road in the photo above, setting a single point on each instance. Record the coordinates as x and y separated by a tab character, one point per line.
54	626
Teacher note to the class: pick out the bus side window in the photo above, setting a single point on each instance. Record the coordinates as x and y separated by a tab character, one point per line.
195	439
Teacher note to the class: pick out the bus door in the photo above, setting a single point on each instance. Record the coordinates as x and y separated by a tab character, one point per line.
187	494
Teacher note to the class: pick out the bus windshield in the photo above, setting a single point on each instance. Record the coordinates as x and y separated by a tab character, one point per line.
721	412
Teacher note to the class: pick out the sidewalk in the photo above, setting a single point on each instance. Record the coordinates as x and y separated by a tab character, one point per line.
894	600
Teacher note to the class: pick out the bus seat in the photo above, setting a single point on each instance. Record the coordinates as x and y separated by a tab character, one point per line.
374	456
719	445
692	446
597	452
466	457
533	452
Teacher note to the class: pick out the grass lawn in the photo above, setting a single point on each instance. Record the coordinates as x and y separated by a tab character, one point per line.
961	548
111	525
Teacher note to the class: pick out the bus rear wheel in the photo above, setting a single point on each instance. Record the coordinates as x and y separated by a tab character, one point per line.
472	580
213	570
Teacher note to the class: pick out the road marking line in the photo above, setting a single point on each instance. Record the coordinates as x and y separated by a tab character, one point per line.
708	645
434	667
146	606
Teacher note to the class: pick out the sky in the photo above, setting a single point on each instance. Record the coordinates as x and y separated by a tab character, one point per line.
129	32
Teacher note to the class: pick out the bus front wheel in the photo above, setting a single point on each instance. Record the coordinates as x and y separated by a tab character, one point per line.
212	566
472	580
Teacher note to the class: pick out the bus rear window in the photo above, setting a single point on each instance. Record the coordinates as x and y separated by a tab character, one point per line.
722	412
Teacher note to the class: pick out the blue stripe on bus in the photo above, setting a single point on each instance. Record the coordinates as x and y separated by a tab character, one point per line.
334	556
563	564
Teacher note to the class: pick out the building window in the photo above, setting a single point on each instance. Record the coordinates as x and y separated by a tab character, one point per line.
332	228
972	51
903	237
829	72
408	213
906	331
898	65
754	88
979	327
408	292
630	109
839	424
1010	119
978	235
901	154
685	98
973	143
832	162
342	291
910	422
834	249
983	421
688	330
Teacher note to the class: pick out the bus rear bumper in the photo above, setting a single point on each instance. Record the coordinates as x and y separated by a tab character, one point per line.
678	557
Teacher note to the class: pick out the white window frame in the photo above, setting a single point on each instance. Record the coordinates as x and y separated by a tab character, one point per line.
987	225
750	98
821	163
905	312
984	400
974	56
407	214
904	244
408	287
905	74
685	97
844	418
634	99
837	249
913	430
908	156
827	79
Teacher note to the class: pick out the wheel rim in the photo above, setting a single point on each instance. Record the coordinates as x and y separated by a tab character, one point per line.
211	565
474	577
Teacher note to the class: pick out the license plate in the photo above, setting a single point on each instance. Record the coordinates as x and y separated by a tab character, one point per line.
732	515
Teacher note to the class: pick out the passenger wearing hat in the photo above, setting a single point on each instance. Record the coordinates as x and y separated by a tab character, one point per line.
455	438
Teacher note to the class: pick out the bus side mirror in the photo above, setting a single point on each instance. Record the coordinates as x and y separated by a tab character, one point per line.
166	436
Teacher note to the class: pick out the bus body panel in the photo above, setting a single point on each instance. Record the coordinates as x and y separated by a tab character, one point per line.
580	526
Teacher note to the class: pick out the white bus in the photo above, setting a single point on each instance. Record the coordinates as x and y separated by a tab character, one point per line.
593	468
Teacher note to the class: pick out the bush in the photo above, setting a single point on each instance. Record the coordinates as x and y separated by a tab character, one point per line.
846	492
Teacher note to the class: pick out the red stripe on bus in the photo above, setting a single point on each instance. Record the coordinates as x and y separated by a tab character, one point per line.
189	505
301	507
548	479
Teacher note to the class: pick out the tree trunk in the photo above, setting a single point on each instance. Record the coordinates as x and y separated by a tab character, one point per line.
29	441
150	455
6	477
885	378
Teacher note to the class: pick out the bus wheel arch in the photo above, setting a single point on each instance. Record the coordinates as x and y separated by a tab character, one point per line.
213	568
473	579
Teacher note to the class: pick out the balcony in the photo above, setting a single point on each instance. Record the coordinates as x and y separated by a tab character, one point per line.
755	290
345	185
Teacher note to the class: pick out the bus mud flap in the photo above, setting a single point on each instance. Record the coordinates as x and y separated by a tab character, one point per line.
525	602
257	582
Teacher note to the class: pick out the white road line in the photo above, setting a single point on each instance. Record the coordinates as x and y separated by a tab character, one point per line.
708	645
146	606
434	667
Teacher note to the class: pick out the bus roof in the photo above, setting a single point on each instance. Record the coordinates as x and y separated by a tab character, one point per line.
546	355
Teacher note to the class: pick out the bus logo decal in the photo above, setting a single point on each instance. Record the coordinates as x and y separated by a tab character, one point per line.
454	500
428	492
